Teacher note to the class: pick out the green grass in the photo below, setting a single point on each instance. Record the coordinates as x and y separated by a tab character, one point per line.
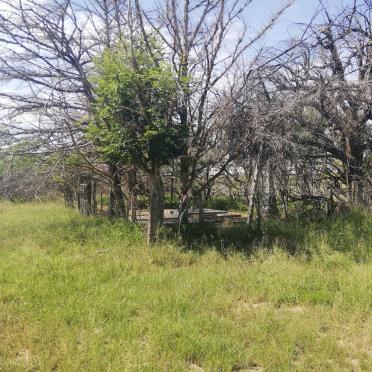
349	233
87	295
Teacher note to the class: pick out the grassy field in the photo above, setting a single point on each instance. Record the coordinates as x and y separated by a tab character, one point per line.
87	295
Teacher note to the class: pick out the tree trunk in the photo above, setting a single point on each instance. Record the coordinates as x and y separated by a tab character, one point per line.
185	196
284	197
116	197
132	188
93	197
86	197
185	189
253	184
201	206
69	196
252	191
258	209
273	210
156	204
78	196
356	172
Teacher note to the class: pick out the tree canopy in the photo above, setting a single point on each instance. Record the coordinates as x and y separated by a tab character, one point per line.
134	119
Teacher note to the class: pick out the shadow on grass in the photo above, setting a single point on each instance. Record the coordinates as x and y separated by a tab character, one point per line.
349	232
223	238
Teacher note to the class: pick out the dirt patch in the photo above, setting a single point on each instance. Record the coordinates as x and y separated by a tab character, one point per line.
294	309
251	368
242	306
24	357
195	367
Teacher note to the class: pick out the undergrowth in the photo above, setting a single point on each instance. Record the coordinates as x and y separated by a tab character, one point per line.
349	233
86	294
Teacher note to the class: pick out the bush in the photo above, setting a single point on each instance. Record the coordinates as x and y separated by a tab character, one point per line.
171	203
226	203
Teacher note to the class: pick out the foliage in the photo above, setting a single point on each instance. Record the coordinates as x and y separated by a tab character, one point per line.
171	203
226	203
86	294
133	119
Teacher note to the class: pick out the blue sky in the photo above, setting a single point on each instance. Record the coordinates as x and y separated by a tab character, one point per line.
260	11
301	11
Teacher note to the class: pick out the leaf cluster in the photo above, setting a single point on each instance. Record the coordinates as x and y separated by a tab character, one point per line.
134	120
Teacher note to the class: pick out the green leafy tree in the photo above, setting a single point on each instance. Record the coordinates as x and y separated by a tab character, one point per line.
134	119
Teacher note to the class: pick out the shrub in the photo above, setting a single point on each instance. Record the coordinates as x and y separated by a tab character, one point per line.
226	203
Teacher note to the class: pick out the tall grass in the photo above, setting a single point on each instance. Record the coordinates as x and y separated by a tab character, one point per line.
350	233
85	294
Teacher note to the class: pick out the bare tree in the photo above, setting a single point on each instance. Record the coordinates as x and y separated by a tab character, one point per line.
206	41
46	62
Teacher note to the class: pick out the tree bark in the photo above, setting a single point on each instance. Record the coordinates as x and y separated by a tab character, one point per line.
93	198
156	204
69	196
356	171
87	199
273	210
183	208
132	188
252	190
258	209
201	206
116	197
284	197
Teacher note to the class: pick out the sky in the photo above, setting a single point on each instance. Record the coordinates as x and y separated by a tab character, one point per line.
260	11
257	14
301	11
